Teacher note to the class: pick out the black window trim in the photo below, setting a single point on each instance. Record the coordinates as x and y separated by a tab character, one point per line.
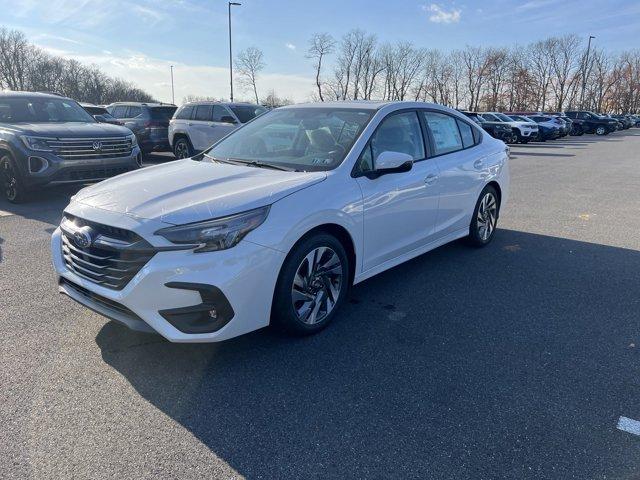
355	173
455	117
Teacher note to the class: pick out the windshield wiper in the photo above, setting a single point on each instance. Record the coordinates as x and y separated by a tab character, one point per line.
221	160
256	163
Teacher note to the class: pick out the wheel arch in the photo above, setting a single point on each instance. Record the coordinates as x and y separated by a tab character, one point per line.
341	234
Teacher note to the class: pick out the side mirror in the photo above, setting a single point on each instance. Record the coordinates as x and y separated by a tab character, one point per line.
100	118
393	162
228	119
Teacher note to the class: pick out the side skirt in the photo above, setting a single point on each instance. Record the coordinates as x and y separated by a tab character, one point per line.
409	255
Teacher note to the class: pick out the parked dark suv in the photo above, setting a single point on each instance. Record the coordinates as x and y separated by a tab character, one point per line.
149	122
47	139
499	130
593	123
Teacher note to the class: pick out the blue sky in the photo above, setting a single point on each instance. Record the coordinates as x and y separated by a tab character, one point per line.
138	40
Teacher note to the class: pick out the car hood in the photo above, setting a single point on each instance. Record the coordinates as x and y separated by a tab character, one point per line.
68	129
186	191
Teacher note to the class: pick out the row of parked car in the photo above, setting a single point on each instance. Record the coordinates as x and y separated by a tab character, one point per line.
46	139
524	127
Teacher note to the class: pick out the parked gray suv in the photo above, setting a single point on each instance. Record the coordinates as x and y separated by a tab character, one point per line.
149	122
48	140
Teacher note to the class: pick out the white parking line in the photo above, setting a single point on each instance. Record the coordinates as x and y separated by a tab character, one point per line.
629	425
5	214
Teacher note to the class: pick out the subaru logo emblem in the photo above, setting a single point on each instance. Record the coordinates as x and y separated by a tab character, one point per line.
97	145
83	238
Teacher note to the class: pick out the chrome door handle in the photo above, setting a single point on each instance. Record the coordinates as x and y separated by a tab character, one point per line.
478	164
431	178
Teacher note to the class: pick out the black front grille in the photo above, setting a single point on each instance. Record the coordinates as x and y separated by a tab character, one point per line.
91	173
91	148
99	299
113	258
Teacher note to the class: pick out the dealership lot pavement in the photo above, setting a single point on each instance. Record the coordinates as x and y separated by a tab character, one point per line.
515	361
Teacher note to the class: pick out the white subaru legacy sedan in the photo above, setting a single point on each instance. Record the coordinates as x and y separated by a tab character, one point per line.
276	221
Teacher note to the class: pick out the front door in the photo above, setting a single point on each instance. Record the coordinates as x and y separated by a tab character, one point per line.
400	209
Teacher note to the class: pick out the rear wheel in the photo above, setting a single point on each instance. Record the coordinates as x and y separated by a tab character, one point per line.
12	185
485	217
182	148
313	284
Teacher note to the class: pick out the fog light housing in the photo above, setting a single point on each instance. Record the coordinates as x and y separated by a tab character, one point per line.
209	316
37	164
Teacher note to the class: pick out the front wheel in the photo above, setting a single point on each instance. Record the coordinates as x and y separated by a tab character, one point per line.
12	185
485	217
313	284
182	148
601	130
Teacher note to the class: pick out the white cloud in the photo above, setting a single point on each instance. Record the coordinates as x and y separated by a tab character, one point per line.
153	75
535	4
441	15
290	46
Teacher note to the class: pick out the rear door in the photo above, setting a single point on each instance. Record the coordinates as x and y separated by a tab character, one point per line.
463	168
200	125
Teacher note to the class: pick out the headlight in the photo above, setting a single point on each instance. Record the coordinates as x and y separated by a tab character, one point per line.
134	140
216	234
38	144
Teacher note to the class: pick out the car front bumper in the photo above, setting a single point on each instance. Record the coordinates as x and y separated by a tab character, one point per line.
60	171
245	276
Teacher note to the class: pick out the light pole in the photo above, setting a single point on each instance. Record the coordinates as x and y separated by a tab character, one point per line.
230	53
173	93
584	72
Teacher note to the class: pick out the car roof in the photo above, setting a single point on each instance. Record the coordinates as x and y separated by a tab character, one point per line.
367	105
14	94
142	104
226	104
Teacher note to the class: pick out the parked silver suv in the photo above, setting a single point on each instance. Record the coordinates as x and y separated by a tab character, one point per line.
198	125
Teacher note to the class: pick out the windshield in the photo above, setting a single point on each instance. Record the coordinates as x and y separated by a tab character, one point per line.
305	139
247	112
42	110
503	117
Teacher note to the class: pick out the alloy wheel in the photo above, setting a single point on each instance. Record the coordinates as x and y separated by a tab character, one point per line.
182	149
317	285
9	179
487	216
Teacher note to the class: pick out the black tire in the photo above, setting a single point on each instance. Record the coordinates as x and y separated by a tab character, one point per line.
477	236
601	130
182	148
13	187
285	312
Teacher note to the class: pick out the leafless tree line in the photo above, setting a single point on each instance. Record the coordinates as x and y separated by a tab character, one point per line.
24	66
552	74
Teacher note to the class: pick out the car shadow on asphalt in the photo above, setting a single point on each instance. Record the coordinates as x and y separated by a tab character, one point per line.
462	363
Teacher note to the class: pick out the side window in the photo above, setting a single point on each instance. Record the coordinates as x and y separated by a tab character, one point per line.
119	111
203	112
185	113
218	113
400	132
444	130
134	112
466	133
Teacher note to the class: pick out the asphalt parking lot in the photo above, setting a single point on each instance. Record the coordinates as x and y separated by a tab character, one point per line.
515	361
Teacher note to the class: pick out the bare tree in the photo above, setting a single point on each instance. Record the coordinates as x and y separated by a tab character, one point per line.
250	63
320	45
